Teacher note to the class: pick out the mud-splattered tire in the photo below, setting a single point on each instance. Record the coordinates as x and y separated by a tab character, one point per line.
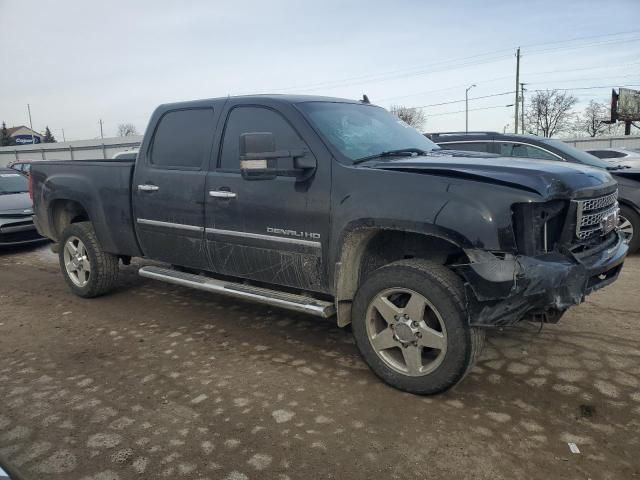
88	270
410	325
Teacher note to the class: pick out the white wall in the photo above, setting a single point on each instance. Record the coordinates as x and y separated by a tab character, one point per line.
630	141
78	150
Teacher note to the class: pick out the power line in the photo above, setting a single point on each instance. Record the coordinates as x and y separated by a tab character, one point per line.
463	100
400	73
636	75
575	47
582	38
585	88
504	77
471	110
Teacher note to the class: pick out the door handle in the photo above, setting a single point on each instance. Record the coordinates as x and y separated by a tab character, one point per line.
221	194
148	188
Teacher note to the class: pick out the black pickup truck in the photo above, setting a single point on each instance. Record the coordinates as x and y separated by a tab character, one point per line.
337	208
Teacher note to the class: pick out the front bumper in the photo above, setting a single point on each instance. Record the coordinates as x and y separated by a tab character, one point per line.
503	291
18	231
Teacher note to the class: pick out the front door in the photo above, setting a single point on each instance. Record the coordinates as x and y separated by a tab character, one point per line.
169	188
267	230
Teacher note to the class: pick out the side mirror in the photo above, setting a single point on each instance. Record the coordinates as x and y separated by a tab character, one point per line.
256	156
259	158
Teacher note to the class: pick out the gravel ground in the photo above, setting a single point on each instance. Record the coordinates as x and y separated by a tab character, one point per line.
157	381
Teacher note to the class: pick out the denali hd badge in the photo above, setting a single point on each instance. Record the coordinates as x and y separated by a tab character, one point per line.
293	233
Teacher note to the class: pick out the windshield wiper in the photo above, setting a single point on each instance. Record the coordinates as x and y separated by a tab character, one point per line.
11	193
400	152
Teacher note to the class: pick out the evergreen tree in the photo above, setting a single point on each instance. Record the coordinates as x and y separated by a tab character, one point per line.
5	139
48	136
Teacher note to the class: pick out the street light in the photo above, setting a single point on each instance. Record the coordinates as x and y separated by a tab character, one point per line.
466	108
504	129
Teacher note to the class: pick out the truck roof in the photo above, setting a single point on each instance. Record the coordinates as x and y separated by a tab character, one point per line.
282	98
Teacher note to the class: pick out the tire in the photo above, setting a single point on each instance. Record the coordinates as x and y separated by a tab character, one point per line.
630	227
402	286
103	267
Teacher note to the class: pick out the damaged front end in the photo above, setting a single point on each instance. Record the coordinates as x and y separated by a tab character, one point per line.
563	255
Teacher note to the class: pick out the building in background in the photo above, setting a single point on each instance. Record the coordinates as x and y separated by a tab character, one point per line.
24	135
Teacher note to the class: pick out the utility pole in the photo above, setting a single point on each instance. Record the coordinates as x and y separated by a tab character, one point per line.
466	108
33	140
517	102
63	139
101	134
522	113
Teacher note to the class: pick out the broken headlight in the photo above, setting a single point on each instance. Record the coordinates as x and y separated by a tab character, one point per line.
538	226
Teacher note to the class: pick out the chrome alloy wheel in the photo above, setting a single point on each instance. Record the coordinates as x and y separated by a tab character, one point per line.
406	331
76	261
625	227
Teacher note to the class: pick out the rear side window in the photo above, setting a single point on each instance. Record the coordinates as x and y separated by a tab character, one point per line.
606	154
484	147
520	150
183	139
255	119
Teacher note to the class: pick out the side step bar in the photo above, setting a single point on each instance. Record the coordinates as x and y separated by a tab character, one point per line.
275	298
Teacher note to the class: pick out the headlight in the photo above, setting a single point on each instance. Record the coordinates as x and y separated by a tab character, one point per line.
538	226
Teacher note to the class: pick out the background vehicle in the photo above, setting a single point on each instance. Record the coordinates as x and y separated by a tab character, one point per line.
126	155
331	206
16	223
618	156
531	146
23	166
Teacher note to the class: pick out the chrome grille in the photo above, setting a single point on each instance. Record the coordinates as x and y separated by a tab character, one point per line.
592	212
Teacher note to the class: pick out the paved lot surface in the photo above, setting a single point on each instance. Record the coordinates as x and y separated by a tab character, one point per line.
156	381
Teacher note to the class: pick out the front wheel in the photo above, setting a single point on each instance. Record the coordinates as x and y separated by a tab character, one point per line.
629	226
410	326
88	270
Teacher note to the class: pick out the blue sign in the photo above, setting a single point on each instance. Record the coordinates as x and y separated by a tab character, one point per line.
26	139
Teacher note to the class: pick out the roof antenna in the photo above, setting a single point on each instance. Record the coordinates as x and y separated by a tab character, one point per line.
365	99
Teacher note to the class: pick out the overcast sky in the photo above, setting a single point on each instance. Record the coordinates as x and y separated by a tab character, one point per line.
75	62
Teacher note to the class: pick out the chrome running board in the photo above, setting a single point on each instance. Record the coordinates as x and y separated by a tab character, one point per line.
298	303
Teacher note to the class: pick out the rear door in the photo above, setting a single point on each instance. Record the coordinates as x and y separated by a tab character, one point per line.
267	230
168	187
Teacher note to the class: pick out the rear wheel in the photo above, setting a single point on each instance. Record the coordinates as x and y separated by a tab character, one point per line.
629	226
410	326
88	270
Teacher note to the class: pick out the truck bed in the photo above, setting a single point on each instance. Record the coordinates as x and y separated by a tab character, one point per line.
102	186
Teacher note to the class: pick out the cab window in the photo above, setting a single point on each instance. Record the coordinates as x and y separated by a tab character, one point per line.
183	139
256	119
484	147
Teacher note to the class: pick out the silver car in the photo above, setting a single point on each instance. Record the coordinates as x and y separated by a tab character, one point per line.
627	157
16	222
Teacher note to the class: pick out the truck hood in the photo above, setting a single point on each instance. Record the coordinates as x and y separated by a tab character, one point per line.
15	204
546	178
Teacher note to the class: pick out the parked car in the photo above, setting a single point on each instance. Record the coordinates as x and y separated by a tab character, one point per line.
16	223
126	155
23	166
531	146
334	208
618	156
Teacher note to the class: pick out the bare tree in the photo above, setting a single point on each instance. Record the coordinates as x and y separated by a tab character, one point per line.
591	120
127	129
411	116
549	112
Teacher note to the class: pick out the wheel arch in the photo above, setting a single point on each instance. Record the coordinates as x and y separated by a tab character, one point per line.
63	212
364	250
